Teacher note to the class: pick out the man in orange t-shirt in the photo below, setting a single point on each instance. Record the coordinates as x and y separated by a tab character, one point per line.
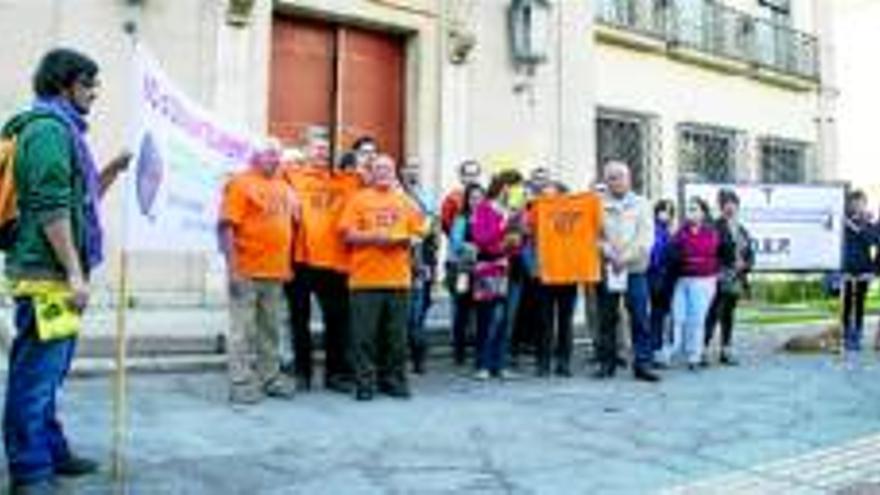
379	224
256	231
321	265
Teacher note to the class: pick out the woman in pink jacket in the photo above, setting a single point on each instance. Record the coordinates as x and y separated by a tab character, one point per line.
696	265
495	242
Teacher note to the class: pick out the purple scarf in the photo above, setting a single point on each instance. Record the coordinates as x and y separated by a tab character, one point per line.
93	233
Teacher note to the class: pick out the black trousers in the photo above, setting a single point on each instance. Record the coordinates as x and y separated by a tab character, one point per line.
528	319
331	289
378	323
721	311
854	292
557	314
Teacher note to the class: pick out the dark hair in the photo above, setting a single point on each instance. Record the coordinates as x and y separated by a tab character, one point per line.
466	198
704	207
856	195
726	196
501	180
364	140
347	161
664	205
59	69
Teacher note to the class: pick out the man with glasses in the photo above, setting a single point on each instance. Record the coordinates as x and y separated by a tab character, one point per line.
57	244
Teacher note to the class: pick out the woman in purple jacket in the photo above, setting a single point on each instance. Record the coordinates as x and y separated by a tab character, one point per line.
695	247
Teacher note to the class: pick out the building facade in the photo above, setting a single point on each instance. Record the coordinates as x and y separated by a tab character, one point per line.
711	91
675	87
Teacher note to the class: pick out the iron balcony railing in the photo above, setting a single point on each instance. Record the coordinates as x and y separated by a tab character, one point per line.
716	29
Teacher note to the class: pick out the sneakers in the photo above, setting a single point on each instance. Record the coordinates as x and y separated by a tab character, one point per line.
563	371
75	466
481	375
728	360
245	395
280	388
506	374
643	374
605	371
339	384
363	394
400	391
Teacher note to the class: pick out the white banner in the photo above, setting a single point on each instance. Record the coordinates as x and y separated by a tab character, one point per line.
183	155
795	227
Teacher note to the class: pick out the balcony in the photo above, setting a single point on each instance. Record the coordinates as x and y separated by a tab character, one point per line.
717	31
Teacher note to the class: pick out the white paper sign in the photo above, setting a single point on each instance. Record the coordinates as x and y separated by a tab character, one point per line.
795	227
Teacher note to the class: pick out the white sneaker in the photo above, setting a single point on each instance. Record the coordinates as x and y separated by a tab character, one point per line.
507	375
481	375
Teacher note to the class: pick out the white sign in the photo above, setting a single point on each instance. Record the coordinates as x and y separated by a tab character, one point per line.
795	227
183	155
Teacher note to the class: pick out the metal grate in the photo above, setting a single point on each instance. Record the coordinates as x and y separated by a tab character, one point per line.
709	153
783	161
632	138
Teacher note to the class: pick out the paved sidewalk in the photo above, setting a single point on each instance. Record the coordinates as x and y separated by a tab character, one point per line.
776	424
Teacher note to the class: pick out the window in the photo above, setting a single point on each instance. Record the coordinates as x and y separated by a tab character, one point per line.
631	138
783	161
708	153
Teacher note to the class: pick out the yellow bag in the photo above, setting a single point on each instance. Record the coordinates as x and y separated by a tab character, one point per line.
56	316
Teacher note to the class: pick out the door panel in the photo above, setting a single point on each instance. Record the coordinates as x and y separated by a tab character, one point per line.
301	92
372	72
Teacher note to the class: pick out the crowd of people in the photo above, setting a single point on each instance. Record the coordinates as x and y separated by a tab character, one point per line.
364	236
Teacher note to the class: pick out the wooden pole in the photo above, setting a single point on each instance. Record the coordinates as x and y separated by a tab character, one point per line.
120	385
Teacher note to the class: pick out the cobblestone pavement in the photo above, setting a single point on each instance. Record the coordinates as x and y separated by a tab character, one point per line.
775	424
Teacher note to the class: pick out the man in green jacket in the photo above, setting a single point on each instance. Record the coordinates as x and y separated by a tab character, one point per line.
56	246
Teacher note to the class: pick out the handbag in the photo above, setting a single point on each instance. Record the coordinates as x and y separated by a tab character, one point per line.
490	280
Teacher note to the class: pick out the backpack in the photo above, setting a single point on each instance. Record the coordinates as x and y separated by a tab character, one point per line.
8	189
8	193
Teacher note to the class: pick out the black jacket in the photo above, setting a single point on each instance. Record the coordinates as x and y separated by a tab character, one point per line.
727	249
860	236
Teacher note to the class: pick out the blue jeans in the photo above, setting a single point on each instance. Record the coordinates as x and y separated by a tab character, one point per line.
511	306
690	305
636	298
491	336
419	304
32	434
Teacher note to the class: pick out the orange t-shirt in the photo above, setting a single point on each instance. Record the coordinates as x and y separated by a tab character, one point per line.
567	229
391	212
323	196
260	211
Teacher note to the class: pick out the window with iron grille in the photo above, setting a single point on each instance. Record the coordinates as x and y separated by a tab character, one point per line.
627	137
707	153
783	161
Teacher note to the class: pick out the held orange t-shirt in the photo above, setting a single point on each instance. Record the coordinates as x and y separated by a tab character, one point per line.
260	211
567	230
323	196
393	213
